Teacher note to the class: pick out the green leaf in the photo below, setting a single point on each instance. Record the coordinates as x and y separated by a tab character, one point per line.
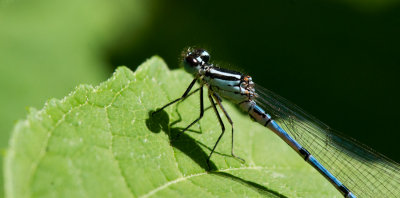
47	47
101	142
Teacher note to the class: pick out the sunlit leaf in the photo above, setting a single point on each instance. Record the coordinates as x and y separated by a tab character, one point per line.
102	142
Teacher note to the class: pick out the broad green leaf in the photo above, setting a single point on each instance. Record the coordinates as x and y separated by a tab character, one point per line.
102	142
47	47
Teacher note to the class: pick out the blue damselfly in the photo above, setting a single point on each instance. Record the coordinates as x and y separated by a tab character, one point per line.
352	168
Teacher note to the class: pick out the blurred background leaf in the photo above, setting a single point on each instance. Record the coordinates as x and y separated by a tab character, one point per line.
49	47
336	59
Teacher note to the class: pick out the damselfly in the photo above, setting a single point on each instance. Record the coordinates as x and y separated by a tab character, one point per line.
352	168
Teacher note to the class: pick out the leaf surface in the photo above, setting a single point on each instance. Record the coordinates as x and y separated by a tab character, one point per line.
102	142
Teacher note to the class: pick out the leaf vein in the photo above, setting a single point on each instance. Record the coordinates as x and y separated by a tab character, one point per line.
181	179
46	142
112	137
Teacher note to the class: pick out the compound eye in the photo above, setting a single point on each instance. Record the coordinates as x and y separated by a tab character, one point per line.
205	57
191	60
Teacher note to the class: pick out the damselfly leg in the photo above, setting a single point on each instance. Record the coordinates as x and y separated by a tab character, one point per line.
218	99
222	127
201	115
184	96
211	97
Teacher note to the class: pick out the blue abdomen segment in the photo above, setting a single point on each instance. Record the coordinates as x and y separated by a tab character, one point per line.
259	115
256	112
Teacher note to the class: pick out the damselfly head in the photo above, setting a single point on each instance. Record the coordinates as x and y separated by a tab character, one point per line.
195	59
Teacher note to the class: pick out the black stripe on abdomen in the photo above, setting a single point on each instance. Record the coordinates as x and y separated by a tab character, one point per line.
304	153
345	190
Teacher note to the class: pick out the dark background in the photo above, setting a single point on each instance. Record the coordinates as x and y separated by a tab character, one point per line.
337	61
